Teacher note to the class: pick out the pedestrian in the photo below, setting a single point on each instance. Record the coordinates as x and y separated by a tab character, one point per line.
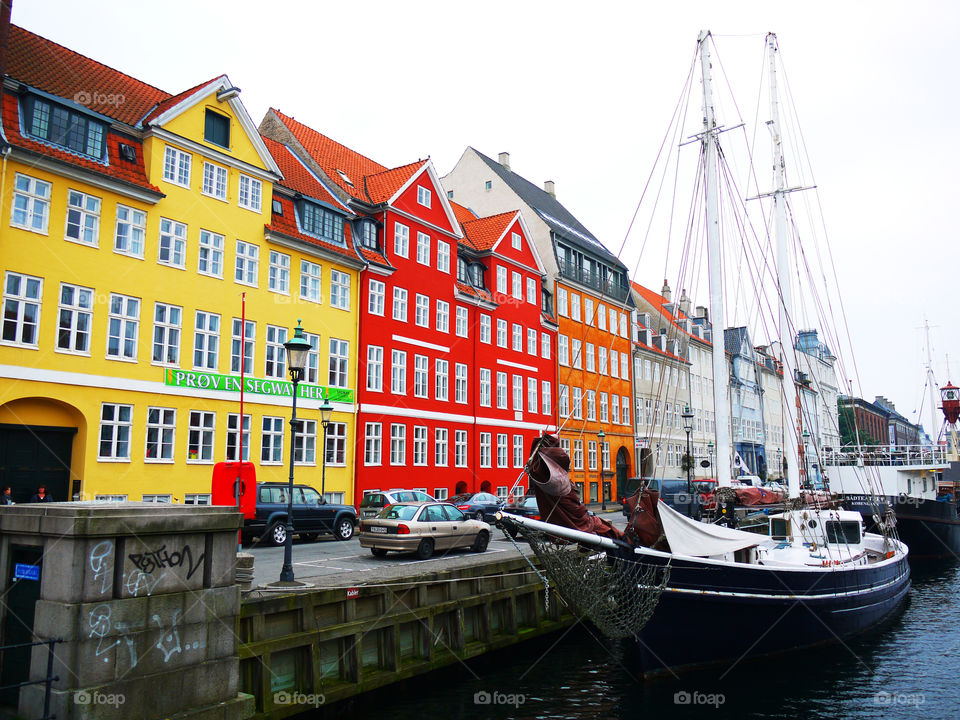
41	495
5	498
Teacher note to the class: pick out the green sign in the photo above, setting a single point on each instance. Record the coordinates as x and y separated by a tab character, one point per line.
231	383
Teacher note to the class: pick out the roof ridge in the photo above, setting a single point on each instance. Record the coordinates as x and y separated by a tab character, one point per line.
284	118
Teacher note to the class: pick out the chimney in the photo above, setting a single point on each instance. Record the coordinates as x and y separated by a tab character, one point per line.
702	312
549	188
5	8
504	159
684	302
665	291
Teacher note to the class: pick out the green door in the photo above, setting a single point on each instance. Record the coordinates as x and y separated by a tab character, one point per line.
34	455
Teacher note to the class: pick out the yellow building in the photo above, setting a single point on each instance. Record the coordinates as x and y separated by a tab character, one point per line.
137	229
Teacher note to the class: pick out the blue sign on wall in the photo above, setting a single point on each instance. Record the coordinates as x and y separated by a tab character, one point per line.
22	571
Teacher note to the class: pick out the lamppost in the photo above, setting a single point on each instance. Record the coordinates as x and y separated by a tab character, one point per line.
710	453
603	486
806	469
297	349
326	410
687	416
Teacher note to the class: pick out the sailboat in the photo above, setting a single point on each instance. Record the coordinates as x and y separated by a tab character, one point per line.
704	594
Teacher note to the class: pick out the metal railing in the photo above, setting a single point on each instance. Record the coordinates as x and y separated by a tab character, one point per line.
592	279
47	681
886	455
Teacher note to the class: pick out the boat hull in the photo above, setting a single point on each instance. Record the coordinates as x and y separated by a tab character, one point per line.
930	528
718	613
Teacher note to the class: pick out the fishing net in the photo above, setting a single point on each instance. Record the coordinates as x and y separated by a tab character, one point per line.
616	595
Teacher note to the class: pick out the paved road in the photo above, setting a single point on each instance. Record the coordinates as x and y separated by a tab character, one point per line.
332	563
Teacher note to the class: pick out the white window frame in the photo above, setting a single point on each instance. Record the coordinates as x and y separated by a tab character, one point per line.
440	447
275	355
278	272
485	448
372	443
399	307
423	248
311	281
235	438
459	448
398	444
462	327
424	196
398	372
240	345
442	382
443	256
172	243
401	240
162	423
210	254
420	445
80	305
376	297
86	219
247	266
460	387
130	231
120	432
339	290
207	429
485	323
338	365
215	179
531	291
305	444
180	163
421	311
485	389
443	316
167	331
421	365
271	440
249	193
125	320
503	392
375	368
31	198
546	397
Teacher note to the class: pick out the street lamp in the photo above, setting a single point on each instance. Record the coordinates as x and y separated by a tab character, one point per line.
687	416
603	485
326	410
806	469
710	453
297	349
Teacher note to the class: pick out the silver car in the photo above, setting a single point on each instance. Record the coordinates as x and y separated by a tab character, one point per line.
374	502
422	528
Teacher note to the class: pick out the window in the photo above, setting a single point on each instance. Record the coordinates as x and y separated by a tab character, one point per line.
336	445
166	333
278	273
176	166
623	326
196	499
398	444
376	297
462	322
531	291
83	218
123	325
485	389
419	445
399	304
592	454
574	307
577	355
625	409
161	425
275	354
564	401
613	321
200	436
443	256
234	439
250	194
624	367
501	450
210	257
76	317
515	241
440	447
502	399
321	223
131	230
311	275
339	360
401	240
603	407
305	443
591	366
249	334
461	383
372	440
116	424
460	448
615	409
531	395
602	360
578	454
501	280
601	317
592	404
216	128
442	384
423	196
440	494
339	290
423	248
562	301
311	368
398	372
485	438
156	498
248	258
531	342
545	346
60	126
172	248
421	314
443	316
517	338
271	440
518	451
517	286
588	311
420	365
214	181
577	403
563	351
517	393
374	368
368	234
546	392
501	333
485	329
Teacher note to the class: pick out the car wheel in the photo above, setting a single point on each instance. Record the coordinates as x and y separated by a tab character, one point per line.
378	552
344	529
480	544
278	533
425	549
479	515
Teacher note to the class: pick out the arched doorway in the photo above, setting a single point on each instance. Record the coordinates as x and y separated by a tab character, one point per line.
461	488
485	486
623	470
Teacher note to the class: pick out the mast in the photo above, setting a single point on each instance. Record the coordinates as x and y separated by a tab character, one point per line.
721	379
932	385
788	389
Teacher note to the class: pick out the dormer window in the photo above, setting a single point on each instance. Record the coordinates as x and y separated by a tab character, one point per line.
368	234
67	128
345	177
322	223
476	275
216	129
423	196
462	273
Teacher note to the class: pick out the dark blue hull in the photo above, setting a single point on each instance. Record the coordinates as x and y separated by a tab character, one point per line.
930	528
722	613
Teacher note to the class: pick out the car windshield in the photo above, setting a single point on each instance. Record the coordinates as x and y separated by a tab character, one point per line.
398	512
530	503
460	498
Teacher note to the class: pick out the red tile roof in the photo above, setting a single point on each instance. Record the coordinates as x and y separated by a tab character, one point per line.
117	168
484	232
50	67
658	302
286	224
461	213
174	99
297	177
380	187
474	292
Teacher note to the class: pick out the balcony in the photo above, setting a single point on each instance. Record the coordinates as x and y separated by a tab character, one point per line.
592	279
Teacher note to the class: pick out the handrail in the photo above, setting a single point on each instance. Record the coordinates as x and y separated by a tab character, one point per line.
885	455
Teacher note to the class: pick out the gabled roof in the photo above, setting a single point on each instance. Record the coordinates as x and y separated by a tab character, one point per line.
52	68
383	186
173	100
659	303
297	177
560	220
462	213
735	339
484	233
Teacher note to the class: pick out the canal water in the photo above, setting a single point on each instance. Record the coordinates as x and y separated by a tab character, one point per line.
907	668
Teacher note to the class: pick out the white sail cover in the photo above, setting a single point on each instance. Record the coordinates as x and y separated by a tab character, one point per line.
690	537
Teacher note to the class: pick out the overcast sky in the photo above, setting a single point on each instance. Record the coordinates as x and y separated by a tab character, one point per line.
582	93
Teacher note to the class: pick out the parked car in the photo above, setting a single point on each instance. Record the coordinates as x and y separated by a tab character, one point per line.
674	492
312	515
479	505
524	507
374	502
422	528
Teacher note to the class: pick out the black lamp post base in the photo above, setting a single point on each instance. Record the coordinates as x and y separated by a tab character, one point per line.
285	586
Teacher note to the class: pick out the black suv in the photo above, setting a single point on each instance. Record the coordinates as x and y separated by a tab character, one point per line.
312	515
